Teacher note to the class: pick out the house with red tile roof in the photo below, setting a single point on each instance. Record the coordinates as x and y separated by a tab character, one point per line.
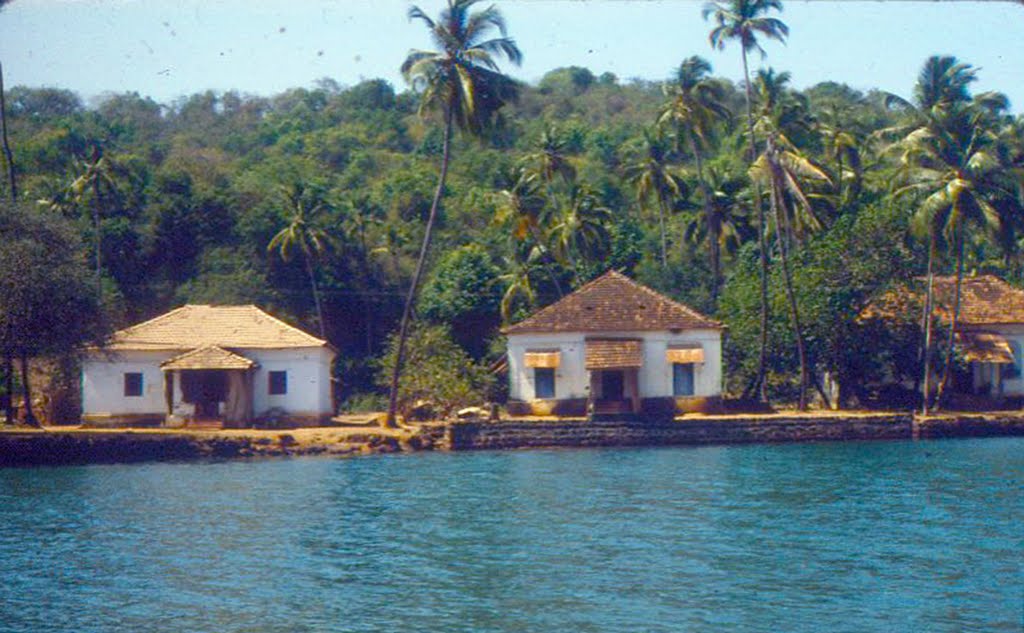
614	346
229	364
990	327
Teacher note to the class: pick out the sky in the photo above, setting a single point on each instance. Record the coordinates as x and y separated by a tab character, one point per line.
167	49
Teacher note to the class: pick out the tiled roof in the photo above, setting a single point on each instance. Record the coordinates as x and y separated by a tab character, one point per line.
613	303
984	300
985	347
193	326
614	353
209	357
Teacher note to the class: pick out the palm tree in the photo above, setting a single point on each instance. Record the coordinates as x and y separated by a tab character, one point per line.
725	218
550	159
956	169
697	104
95	185
302	235
525	209
744	20
461	79
781	169
949	157
581	230
842	142
653	177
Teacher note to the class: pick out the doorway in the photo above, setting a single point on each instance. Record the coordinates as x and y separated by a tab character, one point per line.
612	385
206	389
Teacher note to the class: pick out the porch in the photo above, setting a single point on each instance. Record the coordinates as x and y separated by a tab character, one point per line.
209	387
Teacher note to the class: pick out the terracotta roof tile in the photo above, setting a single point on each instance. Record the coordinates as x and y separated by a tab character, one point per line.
613	303
193	326
209	357
614	353
984	300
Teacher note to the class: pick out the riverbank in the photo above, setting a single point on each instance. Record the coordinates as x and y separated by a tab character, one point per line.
73	445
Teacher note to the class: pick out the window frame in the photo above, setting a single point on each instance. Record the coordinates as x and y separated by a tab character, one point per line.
279	388
677	367
138	388
544	371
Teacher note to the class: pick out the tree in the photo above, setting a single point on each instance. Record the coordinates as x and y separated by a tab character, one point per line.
581	230
303	235
744	20
654	177
696	106
950	160
46	307
462	81
441	374
780	170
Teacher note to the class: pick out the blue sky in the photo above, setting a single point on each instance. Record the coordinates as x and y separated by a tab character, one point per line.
166	49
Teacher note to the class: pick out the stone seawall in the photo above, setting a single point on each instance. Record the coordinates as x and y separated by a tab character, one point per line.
980	425
513	434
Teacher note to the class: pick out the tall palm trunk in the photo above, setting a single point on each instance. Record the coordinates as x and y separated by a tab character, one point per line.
8	401
30	416
927	352
97	239
316	297
664	240
947	368
714	252
762	360
403	331
549	264
794	313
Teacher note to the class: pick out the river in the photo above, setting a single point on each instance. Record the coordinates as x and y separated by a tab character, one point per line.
859	536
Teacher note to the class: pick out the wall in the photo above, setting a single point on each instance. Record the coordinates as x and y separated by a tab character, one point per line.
655	377
732	430
1012	386
309	383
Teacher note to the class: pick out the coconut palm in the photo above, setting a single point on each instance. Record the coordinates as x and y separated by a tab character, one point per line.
549	158
957	172
842	142
949	159
725	216
462	81
581	229
654	177
524	208
697	104
744	21
304	237
780	170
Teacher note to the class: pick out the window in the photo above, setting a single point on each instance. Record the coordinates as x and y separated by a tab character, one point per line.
132	385
1013	370
277	383
544	382
682	379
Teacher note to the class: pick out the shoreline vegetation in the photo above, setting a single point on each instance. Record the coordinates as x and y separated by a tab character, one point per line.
75	445
409	226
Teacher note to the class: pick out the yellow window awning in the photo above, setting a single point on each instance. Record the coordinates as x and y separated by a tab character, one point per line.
614	353
542	358
689	354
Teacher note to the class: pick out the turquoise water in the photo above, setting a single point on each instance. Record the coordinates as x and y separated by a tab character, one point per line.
885	536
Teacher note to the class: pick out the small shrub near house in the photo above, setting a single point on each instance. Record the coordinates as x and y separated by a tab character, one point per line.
438	374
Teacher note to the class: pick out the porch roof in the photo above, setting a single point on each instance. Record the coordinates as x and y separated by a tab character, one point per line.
985	347
208	357
614	353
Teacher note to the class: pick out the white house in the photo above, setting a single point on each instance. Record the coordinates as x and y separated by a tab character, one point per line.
990	331
614	346
235	364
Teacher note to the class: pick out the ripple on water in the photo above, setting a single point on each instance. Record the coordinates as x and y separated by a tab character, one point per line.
896	536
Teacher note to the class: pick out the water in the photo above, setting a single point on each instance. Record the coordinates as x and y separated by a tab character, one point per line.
898	536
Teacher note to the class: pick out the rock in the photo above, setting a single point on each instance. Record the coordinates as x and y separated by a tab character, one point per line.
470	413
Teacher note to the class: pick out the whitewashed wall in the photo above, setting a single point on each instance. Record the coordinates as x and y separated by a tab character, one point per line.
655	377
1013	333
309	382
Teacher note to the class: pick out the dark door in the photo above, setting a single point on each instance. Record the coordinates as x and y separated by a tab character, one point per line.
611	385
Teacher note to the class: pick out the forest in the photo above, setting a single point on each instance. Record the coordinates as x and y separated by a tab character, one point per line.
780	212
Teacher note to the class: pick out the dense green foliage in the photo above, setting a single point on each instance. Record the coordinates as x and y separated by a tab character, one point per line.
315	201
